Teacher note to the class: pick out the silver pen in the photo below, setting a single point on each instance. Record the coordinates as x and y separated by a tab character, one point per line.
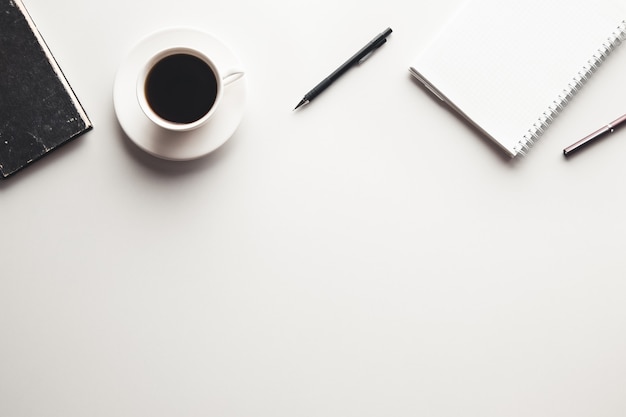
610	128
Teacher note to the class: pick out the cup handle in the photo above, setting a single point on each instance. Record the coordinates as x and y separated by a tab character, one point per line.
231	76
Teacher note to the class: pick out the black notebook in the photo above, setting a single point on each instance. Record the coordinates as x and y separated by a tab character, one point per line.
38	109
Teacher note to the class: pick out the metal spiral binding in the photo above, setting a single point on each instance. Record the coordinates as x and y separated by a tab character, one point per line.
542	123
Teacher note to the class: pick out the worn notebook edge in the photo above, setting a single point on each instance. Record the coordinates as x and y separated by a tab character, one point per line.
574	86
61	77
55	66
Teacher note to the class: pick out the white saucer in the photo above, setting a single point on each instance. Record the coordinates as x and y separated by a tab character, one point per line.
178	146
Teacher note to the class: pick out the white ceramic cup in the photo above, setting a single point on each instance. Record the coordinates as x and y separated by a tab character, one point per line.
220	79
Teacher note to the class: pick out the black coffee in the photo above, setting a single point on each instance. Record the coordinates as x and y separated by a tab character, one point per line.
181	88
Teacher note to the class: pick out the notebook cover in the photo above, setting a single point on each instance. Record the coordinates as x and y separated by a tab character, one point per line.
38	110
510	68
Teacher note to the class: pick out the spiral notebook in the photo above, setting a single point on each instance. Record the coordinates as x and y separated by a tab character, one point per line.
511	67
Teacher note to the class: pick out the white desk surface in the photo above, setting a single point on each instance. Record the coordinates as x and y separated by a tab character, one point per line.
369	255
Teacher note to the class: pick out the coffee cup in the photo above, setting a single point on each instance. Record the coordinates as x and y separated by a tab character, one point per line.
180	88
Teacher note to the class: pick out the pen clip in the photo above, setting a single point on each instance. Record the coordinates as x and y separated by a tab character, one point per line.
376	46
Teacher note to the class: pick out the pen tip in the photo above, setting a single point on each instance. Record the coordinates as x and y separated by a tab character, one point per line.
302	102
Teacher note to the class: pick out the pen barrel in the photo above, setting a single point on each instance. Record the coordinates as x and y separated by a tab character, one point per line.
615	123
587	139
326	82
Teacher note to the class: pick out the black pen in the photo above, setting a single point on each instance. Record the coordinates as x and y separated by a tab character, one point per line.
357	58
